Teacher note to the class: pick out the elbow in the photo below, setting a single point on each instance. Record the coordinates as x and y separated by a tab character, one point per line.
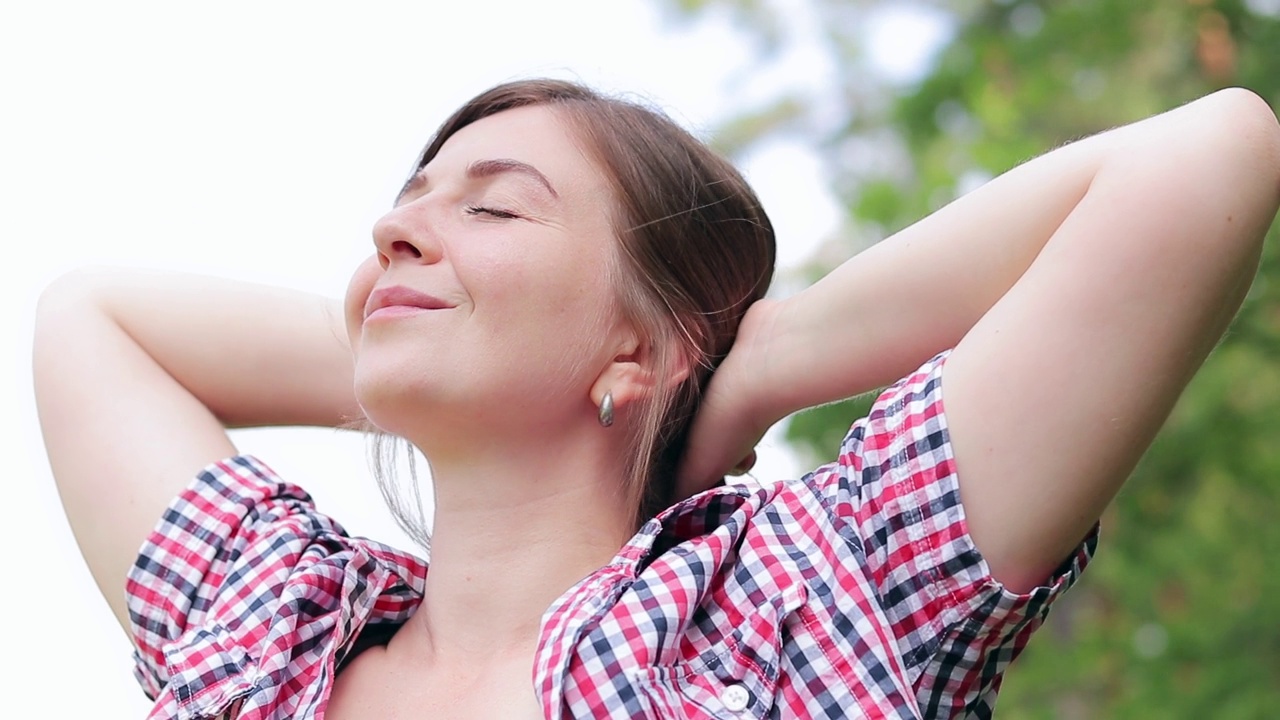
1248	127
60	309
74	290
59	298
1242	135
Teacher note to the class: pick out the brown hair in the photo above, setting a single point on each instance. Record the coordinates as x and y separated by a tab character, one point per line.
695	250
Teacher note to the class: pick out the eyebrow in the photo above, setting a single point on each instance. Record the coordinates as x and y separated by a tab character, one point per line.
483	169
489	168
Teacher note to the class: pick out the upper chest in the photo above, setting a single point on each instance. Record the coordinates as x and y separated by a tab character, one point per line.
373	685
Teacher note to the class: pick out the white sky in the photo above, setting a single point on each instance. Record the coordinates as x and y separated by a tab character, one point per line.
261	141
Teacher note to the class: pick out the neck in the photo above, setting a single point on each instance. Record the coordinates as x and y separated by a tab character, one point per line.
513	530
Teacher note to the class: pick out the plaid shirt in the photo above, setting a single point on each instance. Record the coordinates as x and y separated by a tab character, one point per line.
853	592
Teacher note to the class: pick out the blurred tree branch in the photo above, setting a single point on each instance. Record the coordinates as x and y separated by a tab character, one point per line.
1180	615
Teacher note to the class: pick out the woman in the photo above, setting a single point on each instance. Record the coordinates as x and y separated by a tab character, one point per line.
541	317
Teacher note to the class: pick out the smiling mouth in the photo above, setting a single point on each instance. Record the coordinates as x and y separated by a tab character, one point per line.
398	301
391	311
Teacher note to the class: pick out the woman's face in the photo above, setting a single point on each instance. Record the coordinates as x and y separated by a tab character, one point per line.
487	303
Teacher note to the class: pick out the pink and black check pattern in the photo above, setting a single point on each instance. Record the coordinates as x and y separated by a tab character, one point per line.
852	592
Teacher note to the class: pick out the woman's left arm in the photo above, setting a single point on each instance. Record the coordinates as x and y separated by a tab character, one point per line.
1081	291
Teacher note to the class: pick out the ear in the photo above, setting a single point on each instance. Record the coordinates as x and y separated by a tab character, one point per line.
632	375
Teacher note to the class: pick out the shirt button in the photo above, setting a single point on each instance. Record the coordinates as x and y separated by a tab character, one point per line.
735	698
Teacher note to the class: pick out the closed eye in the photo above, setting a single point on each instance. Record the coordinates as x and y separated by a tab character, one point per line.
492	212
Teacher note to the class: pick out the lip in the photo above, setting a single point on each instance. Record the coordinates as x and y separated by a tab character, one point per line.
398	299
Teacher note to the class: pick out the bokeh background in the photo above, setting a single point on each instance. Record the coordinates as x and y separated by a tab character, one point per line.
261	140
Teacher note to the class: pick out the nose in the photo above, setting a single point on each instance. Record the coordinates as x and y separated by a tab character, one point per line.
405	235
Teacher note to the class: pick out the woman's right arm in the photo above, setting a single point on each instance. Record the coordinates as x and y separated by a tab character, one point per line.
138	375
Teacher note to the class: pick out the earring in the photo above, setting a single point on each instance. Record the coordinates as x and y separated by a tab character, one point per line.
606	410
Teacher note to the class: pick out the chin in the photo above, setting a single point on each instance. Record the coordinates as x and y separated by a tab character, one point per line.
390	403
414	406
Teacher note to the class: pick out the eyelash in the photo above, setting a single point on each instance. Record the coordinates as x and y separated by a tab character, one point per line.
493	212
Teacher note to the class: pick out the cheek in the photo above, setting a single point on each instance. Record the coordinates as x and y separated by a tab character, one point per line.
561	317
362	282
550	276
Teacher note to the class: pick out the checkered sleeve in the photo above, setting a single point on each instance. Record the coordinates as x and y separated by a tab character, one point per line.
956	627
230	538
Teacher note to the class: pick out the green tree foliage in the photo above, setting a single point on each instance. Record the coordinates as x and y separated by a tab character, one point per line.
1179	617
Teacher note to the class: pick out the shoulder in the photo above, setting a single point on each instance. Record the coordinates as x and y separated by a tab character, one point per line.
236	526
863	568
243	567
